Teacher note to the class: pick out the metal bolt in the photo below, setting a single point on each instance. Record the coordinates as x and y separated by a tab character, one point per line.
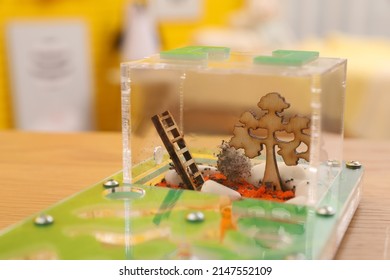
353	164
326	211
111	183
43	220
195	217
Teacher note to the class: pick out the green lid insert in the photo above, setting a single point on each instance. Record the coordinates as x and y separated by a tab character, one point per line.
197	53
287	57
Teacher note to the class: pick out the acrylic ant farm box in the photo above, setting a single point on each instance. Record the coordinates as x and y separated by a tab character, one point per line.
226	156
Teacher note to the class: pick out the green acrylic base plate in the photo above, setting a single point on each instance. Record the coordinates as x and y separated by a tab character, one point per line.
146	222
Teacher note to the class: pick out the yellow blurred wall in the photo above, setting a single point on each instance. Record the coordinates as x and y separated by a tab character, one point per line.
215	13
104	20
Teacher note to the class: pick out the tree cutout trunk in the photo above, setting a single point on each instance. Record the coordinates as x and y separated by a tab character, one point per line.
272	121
271	173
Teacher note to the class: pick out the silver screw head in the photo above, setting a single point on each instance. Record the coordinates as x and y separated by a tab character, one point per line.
326	211
353	164
43	220
111	183
195	217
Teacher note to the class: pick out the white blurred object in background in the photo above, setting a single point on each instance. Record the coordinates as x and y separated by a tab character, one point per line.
177	10
258	26
50	74
140	32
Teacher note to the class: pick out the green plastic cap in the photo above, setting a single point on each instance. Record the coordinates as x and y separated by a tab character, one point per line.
287	57
197	53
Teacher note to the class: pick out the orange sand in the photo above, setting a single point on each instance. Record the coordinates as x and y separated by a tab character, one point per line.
244	188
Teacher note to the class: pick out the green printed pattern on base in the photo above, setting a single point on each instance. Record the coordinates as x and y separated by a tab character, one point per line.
92	225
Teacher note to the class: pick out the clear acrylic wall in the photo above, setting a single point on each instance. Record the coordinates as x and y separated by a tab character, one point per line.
207	92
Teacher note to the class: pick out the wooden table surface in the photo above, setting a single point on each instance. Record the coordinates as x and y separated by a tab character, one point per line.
38	170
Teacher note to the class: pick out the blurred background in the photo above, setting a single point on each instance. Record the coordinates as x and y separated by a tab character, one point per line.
59	59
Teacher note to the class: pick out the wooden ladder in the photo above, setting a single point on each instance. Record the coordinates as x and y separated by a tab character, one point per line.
180	155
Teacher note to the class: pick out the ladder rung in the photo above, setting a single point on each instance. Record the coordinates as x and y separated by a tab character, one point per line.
182	151
190	162
171	128
176	139
196	174
165	117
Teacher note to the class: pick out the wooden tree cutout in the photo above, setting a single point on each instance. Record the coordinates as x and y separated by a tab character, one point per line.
272	122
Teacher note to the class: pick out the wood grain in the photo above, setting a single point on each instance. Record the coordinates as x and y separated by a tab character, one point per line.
38	170
370	228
